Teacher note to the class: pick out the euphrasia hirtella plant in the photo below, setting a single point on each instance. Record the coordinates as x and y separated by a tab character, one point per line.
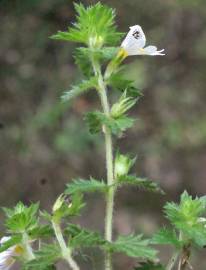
38	239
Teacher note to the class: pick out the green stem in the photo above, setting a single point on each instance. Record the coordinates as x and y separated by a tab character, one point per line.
172	261
28	249
66	251
109	164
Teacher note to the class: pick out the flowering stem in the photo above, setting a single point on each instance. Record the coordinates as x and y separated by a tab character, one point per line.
66	251
109	164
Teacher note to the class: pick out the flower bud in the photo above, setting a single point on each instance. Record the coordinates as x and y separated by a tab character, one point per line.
96	41
122	165
58	203
123	105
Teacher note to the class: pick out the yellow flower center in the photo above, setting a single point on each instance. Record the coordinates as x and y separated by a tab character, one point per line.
122	53
18	249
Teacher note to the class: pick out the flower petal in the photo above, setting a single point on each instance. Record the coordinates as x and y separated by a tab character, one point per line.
152	50
134	40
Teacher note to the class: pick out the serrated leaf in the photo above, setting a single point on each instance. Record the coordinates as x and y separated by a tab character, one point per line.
44	258
79	89
119	82
150	266
81	185
96	120
79	237
21	218
167	236
140	182
94	25
187	217
133	246
41	231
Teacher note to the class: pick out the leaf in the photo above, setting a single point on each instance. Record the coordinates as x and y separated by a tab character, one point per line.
119	82
167	236
140	182
79	89
96	120
94	26
44	258
187	217
80	237
121	124
41	231
133	246
81	185
21	218
150	266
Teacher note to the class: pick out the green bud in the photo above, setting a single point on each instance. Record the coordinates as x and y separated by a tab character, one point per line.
123	105
96	42
122	165
58	203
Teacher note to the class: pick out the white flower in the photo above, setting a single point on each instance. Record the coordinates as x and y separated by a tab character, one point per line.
7	257
134	43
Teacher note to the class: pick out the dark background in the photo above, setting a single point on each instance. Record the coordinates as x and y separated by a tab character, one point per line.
45	143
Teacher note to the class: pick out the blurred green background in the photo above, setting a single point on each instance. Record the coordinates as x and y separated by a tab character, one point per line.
45	143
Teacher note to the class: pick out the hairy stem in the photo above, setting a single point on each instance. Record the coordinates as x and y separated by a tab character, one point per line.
66	251
172	261
29	252
109	165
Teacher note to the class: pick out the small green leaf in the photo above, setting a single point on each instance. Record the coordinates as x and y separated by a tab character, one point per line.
140	182
79	89
121	124
119	82
150	266
21	218
41	231
133	246
187	216
81	185
44	258
79	237
96	120
167	237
